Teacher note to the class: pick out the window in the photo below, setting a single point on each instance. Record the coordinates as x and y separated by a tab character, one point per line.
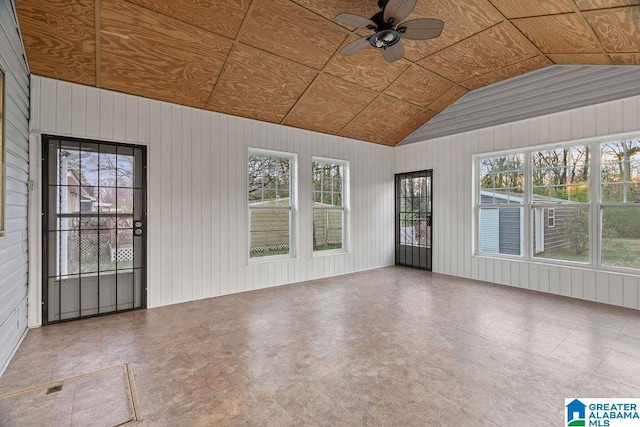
619	209
560	181
2	163
271	204
329	204
577	203
501	202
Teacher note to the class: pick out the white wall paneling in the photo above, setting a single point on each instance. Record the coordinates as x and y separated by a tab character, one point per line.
14	257
197	222
451	159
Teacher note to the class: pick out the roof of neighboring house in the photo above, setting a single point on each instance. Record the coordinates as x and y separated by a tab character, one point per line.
519	197
284	201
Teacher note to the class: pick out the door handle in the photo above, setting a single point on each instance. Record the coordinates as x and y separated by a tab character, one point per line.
137	228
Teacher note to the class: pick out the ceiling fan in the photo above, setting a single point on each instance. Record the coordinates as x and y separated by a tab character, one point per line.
388	30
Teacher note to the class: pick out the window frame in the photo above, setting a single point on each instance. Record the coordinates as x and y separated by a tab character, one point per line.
291	207
479	206
601	205
3	164
570	202
595	206
344	208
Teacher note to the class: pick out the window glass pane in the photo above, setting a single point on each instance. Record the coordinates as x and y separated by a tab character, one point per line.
269	232
561	175
415	230
124	201
269	180
620	169
621	237
91	250
125	167
567	239
327	229
327	189
106	167
337	184
500	230
327	183
502	179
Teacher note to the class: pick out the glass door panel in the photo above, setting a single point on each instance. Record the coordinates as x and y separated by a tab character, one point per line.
94	223
414	219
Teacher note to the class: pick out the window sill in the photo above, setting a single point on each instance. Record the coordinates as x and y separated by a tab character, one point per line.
271	258
317	254
560	263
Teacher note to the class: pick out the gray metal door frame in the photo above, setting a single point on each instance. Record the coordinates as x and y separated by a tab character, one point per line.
414	219
93	229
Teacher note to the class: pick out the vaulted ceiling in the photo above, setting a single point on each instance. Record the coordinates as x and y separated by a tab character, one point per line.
278	60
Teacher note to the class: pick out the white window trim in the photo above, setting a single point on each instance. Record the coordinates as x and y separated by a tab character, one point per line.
524	240
595	204
551	215
293	207
345	207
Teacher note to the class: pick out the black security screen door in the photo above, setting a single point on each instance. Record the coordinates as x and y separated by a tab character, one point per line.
94	224
414	219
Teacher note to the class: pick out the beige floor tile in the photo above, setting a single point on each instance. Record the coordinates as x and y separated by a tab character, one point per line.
392	346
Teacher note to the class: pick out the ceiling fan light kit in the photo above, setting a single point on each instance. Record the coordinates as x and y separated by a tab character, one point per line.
389	29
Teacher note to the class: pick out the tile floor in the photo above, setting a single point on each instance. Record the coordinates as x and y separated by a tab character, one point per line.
101	398
392	346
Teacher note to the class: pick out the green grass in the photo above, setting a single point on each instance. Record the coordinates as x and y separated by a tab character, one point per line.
616	252
90	264
269	253
564	255
328	247
620	252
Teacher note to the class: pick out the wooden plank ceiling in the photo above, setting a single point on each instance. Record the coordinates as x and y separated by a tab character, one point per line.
278	60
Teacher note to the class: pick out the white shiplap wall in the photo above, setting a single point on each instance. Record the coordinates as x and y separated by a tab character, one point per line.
451	159
197	231
13	245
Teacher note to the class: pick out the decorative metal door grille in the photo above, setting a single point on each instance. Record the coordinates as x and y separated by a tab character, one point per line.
94	216
414	219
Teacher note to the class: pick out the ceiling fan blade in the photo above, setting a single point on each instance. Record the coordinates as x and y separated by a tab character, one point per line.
355	46
398	9
421	29
355	20
393	53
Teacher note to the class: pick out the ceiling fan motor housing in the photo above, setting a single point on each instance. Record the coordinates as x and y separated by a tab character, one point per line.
384	39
